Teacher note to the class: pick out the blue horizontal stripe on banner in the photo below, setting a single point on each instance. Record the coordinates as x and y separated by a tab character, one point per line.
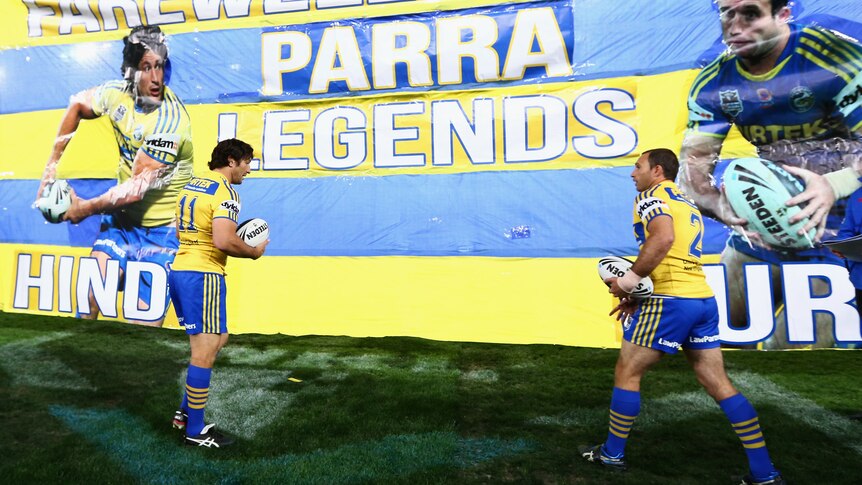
552	213
225	66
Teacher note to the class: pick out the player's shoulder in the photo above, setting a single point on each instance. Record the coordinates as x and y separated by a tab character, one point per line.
203	185
110	93
828	45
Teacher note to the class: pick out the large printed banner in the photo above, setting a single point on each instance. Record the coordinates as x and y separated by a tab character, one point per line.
427	168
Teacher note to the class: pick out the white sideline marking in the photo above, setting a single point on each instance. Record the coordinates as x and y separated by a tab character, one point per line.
242	402
480	375
677	407
251	356
28	365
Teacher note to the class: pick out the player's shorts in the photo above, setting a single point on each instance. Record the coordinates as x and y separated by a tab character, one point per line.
125	242
670	324
199	300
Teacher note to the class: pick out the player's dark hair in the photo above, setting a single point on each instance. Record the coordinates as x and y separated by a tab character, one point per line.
231	148
664	158
135	45
777	5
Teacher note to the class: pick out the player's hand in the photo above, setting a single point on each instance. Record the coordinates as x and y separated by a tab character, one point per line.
614	288
48	176
625	308
728	217
77	211
818	195
259	250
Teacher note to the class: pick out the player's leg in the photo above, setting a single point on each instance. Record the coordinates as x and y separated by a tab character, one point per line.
704	354
102	260
111	243
637	355
200	302
153	245
205	348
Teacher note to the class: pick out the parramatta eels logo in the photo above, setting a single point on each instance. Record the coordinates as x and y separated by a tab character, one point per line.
730	102
138	134
801	99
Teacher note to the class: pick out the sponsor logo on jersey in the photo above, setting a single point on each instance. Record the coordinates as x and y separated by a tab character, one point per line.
650	204
851	98
667	343
119	113
801	99
163	142
730	102
231	206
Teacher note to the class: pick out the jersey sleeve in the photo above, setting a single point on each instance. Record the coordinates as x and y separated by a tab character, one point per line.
107	97
226	203
651	204
705	116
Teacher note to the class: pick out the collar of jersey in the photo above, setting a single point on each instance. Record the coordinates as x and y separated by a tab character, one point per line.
785	56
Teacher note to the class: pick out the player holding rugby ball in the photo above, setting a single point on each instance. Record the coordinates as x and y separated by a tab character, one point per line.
681	314
206	212
795	93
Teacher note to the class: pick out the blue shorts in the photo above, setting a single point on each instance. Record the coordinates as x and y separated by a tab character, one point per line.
669	324
199	300
125	242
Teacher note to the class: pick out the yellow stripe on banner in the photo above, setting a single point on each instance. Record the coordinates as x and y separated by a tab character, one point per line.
476	299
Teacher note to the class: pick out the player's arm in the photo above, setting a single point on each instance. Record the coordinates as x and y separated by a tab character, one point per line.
652	252
821	191
80	108
146	174
226	240
698	157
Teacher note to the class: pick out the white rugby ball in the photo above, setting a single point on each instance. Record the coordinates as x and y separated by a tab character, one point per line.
757	190
253	232
616	267
55	200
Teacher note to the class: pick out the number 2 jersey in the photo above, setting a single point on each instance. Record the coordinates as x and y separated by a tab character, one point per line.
165	134
680	274
201	201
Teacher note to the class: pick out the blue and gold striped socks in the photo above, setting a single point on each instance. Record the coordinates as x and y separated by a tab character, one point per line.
197	391
625	406
744	420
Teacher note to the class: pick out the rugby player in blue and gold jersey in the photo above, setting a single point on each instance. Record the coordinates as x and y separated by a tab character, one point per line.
795	93
153	131
206	215
682	314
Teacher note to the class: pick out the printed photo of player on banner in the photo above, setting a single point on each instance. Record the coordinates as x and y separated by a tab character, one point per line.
435	169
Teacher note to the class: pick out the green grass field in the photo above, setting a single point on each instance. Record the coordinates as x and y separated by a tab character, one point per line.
91	402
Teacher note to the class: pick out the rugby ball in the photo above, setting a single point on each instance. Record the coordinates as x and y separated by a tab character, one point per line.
616	267
253	232
757	190
55	200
